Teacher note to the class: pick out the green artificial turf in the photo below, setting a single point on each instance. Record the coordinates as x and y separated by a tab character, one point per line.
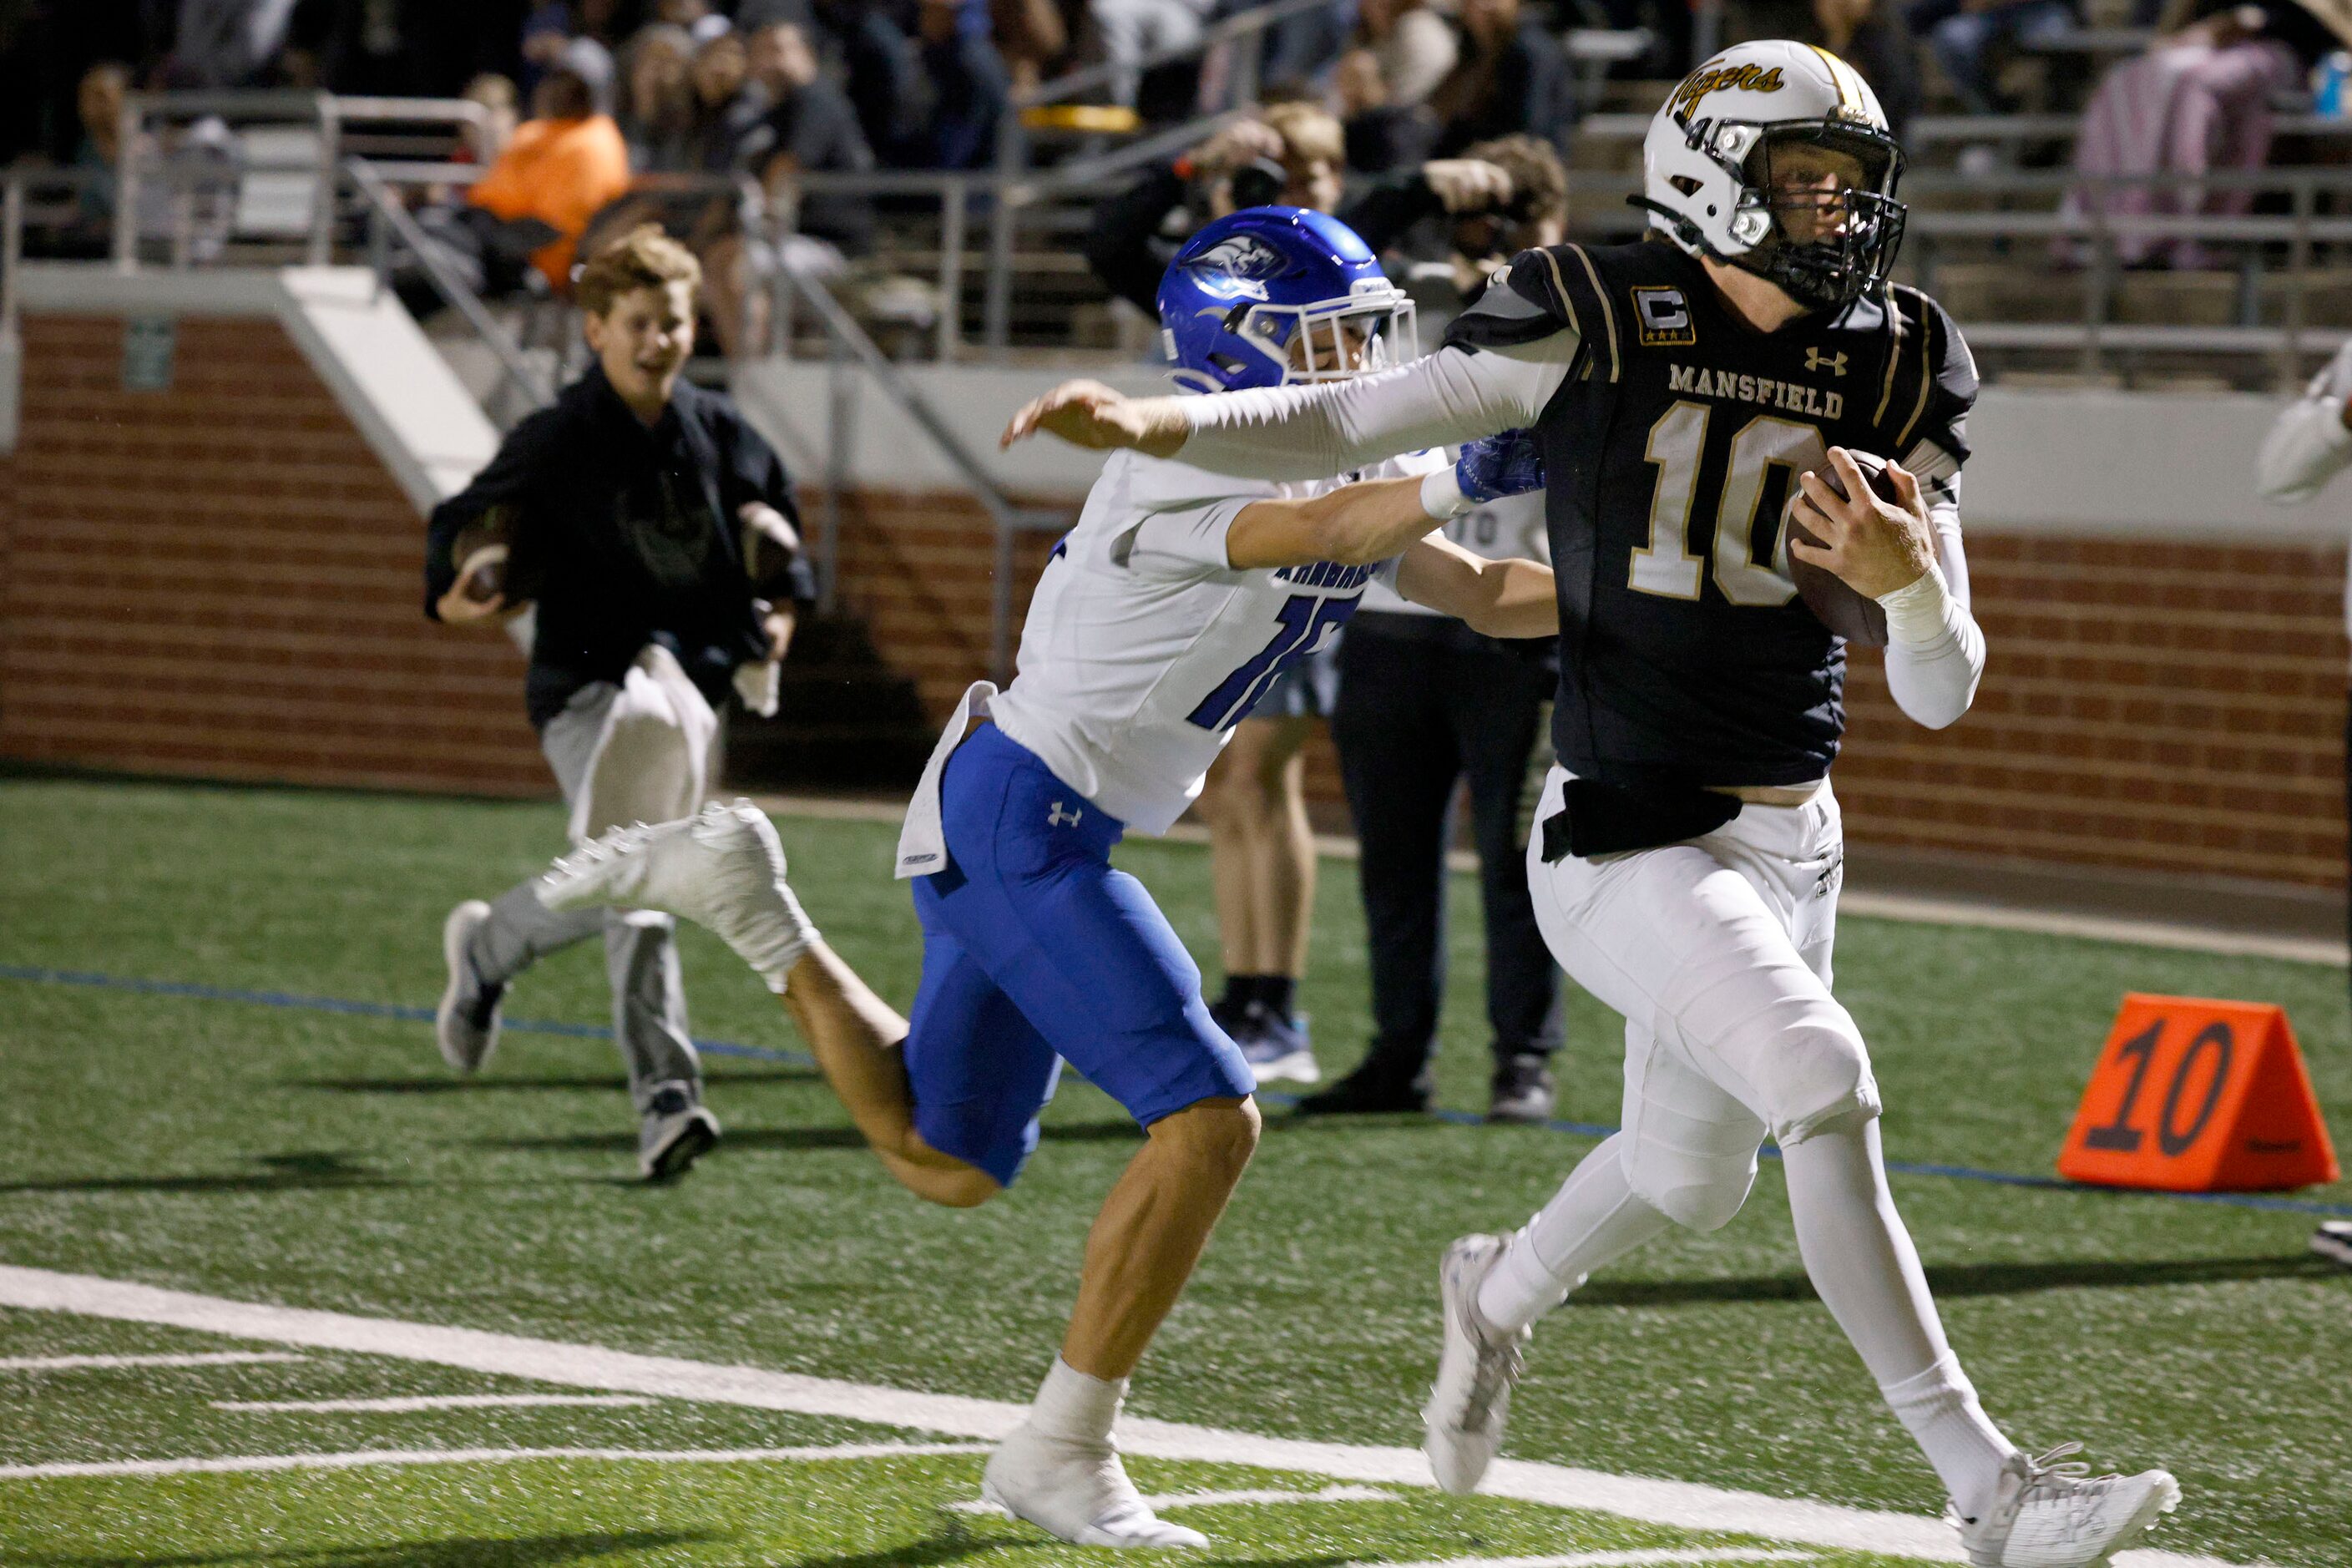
325	1159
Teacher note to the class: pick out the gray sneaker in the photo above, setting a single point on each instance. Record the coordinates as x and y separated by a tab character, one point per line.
2048	1514
1477	1367
677	1131
466	1025
1522	1091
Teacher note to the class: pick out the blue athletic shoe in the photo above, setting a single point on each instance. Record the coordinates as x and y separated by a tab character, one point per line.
1278	1049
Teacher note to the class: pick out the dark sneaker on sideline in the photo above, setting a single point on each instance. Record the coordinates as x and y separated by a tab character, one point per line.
1523	1092
1373	1089
677	1131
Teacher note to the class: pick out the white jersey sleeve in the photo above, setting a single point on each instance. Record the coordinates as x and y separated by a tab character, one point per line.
1443	399
1143	649
2308	444
1187	537
1935	648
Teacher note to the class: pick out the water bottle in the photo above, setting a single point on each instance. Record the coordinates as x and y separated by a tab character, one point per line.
2327	90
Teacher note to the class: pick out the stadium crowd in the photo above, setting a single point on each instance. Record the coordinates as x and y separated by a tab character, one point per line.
585	97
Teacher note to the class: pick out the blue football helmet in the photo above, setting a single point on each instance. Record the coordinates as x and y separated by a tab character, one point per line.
1270	296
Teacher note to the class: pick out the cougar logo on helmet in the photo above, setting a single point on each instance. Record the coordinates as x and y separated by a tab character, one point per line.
1232	269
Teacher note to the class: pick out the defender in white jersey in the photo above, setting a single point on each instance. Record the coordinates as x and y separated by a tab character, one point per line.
1689	862
1159	617
1143	648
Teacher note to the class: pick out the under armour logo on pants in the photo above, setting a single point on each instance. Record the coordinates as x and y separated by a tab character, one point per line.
1056	818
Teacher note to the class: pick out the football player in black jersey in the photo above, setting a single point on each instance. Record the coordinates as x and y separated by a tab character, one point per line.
1694	396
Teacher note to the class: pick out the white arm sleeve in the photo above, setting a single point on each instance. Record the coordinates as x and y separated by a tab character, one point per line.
1313	432
1189	537
1934	649
2308	444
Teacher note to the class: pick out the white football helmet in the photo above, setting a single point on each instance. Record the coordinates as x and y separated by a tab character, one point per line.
1706	170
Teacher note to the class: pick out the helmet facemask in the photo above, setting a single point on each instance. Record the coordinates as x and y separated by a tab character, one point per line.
1817	209
1335	339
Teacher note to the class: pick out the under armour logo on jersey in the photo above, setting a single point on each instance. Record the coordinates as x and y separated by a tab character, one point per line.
1054	817
1816	360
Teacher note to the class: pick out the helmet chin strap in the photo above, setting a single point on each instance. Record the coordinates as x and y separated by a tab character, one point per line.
1684	231
1756	263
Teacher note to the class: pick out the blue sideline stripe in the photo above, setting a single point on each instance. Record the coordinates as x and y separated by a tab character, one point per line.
761	1053
356	1009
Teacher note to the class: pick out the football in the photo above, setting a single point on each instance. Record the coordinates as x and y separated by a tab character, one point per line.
1849	613
480	551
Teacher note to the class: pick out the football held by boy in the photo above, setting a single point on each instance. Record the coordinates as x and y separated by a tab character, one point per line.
1687	394
1158	622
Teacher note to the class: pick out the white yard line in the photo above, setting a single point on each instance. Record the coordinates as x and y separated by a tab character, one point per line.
401	1403
81	1363
1261	1497
1612	1559
1688	1505
242	1464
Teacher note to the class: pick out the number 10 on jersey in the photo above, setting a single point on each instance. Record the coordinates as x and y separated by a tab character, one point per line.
1664	565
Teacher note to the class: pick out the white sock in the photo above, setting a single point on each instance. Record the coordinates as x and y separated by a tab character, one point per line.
1595	1218
1072	1407
774	942
1940	1410
1859	1259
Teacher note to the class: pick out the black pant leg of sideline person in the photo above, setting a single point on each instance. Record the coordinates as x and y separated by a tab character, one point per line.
1398	762
1496	698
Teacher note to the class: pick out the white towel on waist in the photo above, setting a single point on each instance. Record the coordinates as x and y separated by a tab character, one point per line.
923	841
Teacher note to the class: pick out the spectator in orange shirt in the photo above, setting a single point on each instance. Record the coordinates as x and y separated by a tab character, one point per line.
563	164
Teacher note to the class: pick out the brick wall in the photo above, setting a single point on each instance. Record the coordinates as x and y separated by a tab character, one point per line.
917	568
2161	707
220	580
2164	707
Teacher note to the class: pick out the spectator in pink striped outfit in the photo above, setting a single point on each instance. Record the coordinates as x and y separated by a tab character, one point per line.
2196	103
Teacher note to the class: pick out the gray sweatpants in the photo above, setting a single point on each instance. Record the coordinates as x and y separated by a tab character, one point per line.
662	764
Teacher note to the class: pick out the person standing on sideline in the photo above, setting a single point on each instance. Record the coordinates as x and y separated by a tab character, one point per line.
654	532
1424	702
2308	444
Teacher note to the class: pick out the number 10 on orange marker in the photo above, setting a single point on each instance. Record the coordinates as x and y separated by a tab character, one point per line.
2193	1095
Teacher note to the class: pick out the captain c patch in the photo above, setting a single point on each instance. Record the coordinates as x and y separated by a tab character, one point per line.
1665	317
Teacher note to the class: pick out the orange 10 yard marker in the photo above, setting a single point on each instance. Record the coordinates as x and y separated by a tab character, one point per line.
2196	1096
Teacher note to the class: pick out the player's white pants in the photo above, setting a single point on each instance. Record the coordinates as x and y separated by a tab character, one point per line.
1717	954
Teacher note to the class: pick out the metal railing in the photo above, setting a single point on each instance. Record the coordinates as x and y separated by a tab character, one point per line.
333	119
388	220
1932	130
1235	36
852	347
17	214
2281	255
